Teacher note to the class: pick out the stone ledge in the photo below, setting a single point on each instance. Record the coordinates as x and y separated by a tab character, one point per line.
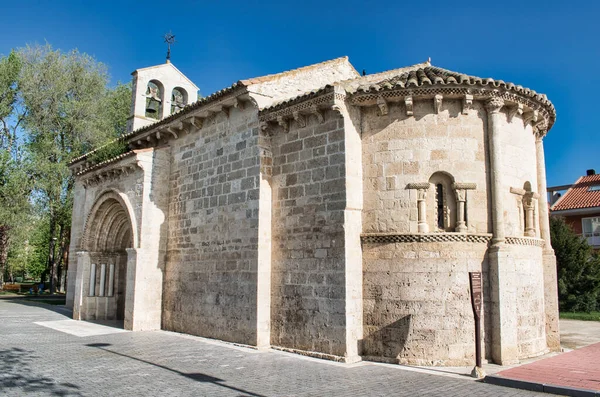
425	238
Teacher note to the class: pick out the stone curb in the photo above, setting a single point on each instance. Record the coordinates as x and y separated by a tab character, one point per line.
540	387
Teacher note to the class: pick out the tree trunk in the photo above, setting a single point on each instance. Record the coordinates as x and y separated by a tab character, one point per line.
51	261
3	252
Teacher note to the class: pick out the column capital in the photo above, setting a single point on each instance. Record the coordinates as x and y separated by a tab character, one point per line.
493	105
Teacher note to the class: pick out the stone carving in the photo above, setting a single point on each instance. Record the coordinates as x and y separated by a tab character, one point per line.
494	105
467	103
283	123
383	106
514	110
437	103
319	113
300	119
238	104
530	117
408	102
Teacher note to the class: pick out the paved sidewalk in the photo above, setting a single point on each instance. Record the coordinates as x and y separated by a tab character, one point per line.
576	373
43	353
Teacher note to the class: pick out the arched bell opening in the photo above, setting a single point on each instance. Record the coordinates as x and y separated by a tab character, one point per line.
179	98
154	99
108	236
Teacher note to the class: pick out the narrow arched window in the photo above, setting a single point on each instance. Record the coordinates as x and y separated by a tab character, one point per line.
439	195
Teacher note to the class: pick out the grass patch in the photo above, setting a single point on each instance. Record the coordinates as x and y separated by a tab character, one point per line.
593	316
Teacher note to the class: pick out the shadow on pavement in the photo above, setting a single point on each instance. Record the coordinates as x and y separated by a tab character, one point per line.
15	373
198	377
60	309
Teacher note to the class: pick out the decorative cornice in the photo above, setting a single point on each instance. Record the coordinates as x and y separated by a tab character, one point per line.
386	238
109	170
517	102
528	241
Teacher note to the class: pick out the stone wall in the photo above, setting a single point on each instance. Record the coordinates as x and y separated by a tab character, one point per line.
518	166
417	307
400	149
308	255
210	286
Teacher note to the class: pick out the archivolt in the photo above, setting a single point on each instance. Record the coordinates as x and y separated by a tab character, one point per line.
110	226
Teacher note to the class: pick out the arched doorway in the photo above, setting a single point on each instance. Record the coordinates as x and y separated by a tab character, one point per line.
108	235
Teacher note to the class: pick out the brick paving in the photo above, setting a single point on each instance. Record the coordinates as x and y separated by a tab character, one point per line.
576	369
39	361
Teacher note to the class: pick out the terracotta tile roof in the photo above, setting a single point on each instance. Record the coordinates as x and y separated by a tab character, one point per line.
432	75
580	195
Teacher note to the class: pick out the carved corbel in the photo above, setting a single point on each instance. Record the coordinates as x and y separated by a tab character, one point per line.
530	117
408	102
238	104
467	103
494	105
383	106
151	139
514	110
437	103
197	122
318	112
174	133
541	128
283	123
157	135
300	119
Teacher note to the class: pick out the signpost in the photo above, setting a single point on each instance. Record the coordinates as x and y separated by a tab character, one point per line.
476	300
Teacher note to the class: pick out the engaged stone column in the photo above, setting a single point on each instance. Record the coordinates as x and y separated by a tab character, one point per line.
528	205
422	210
542	189
550	277
502	271
493	107
461	198
421	188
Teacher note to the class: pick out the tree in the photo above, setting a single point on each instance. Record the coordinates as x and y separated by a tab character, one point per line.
68	111
578	269
14	205
14	182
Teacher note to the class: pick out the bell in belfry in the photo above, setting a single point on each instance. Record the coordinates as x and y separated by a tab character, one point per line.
152	101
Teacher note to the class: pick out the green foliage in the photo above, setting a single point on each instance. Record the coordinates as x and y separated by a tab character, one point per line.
10	68
578	270
54	106
108	151
592	316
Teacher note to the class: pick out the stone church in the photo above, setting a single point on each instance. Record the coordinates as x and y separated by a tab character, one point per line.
325	212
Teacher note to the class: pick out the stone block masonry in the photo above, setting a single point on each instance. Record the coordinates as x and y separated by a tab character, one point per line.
210	284
308	263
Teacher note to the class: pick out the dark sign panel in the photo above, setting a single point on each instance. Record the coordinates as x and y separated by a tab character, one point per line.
476	295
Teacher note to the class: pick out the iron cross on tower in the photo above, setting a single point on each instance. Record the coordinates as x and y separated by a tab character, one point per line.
169	39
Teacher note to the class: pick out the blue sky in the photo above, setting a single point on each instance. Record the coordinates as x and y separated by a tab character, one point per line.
549	46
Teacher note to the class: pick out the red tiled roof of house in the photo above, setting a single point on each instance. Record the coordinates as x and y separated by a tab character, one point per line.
580	195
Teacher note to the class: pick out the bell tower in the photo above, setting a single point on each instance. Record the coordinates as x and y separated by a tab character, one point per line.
159	91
